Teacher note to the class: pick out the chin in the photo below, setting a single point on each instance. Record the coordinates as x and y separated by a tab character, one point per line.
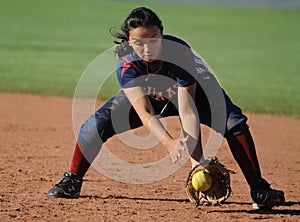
147	59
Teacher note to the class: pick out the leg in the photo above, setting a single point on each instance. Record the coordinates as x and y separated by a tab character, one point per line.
99	127
240	141
243	149
96	130
234	127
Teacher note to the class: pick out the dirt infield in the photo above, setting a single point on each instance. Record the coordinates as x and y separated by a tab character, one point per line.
37	142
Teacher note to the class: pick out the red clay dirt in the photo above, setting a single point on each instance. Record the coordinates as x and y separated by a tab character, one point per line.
37	143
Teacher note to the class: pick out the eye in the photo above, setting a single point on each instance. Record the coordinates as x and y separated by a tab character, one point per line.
153	41
138	43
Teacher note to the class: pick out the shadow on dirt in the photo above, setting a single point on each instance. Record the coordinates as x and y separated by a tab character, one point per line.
136	198
262	211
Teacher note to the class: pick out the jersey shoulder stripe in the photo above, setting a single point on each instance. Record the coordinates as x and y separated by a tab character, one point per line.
127	64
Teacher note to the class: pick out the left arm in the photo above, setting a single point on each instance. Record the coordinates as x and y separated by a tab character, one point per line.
187	111
189	120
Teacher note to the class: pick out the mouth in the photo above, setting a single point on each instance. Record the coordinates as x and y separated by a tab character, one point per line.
148	55
148	59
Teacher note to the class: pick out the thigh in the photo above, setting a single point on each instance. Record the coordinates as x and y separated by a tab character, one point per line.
115	116
118	115
122	116
228	116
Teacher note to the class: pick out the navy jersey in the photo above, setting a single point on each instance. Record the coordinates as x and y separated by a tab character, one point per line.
177	66
183	69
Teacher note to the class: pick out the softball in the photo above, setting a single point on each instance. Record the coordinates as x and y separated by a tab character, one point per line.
202	181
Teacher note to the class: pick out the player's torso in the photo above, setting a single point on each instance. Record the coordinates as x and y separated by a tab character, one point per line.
161	81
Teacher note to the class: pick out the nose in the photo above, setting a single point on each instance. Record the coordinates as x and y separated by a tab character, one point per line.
146	47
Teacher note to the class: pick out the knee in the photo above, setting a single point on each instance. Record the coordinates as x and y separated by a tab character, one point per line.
94	132
236	129
88	136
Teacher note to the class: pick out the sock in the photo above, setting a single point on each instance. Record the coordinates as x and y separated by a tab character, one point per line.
243	150
79	164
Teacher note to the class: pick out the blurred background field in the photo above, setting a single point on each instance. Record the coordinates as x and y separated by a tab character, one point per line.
45	46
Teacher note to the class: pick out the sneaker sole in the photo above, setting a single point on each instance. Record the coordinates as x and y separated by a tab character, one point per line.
76	195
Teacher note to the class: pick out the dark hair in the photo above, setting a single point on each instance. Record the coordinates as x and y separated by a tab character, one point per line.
139	17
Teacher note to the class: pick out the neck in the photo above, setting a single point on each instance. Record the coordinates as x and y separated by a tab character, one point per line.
155	66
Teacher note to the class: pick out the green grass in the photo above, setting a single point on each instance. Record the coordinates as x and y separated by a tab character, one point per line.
45	45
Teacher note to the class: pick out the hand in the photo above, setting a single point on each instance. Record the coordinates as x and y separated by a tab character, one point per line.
176	147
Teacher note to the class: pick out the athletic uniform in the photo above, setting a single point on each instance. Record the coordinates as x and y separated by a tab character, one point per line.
130	68
162	93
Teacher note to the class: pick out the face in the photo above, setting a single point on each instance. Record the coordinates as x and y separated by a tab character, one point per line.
146	42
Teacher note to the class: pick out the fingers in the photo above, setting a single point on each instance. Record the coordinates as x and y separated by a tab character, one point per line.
180	148
176	154
177	151
181	143
175	157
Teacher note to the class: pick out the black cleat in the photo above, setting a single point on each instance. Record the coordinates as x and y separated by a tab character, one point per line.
265	197
68	187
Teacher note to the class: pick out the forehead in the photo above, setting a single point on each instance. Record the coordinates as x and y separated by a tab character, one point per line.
144	32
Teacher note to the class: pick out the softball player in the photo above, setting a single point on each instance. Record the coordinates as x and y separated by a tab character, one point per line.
140	47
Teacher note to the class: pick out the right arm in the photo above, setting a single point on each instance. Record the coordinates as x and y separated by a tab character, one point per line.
127	73
145	111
